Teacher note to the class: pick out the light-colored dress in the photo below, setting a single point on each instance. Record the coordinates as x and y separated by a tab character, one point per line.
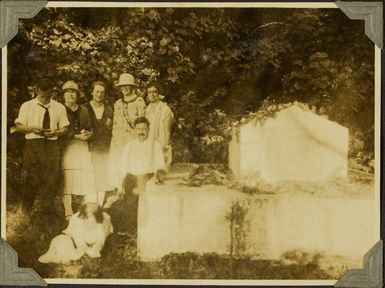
76	160
99	143
125	113
160	117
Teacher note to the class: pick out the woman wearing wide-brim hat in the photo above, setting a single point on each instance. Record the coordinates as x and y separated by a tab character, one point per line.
126	110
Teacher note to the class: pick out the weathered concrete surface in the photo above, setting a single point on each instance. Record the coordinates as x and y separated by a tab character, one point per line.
330	226
183	219
294	145
175	218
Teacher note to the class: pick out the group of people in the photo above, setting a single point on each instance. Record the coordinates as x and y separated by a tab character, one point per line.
93	147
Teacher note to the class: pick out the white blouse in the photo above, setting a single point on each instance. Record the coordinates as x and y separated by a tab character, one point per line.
142	157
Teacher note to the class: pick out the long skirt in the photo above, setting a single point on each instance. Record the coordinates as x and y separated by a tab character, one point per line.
114	160
100	163
78	169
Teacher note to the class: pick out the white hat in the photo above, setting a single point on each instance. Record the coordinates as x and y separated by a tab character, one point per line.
126	79
70	85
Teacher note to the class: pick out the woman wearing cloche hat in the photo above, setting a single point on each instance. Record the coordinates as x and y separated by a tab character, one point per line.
126	110
76	161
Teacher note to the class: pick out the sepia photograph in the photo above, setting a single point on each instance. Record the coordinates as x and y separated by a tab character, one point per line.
206	141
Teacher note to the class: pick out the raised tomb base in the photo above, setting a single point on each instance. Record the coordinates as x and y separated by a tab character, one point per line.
180	219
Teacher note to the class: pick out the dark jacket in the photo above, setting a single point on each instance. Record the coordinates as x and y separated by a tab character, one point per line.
79	120
101	137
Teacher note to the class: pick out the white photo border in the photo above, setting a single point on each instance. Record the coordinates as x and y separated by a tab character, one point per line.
67	4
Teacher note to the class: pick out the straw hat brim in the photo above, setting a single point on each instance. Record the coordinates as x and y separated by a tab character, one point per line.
123	84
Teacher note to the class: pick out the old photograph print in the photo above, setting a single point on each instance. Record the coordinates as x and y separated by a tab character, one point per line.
191	143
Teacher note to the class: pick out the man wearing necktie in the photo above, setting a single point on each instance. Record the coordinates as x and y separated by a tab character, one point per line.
42	121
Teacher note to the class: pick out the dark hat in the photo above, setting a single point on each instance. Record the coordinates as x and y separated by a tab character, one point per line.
44	84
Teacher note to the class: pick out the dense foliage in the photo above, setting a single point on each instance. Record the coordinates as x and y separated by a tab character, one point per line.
215	64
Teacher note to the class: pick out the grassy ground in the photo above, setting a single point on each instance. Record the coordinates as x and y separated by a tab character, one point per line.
119	260
31	238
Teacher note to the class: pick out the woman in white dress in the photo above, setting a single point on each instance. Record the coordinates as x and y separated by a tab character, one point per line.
126	110
76	161
161	117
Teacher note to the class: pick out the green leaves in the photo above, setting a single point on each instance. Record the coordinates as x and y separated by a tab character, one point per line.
207	59
153	15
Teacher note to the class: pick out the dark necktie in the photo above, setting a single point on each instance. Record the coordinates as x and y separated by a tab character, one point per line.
46	119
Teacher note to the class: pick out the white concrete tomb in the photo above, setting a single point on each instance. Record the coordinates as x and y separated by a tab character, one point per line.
179	219
294	145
